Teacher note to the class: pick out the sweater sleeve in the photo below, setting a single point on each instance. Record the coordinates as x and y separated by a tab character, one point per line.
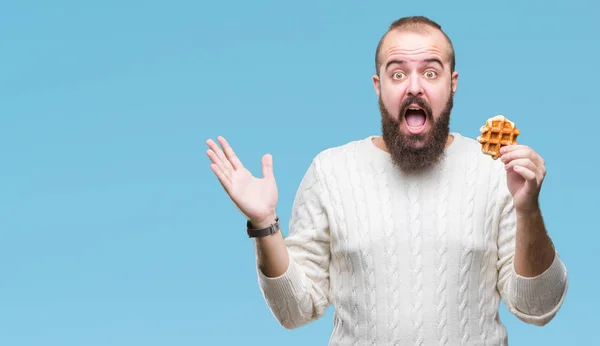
534	300
300	295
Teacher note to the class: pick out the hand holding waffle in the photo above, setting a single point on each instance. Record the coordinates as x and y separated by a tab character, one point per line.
525	168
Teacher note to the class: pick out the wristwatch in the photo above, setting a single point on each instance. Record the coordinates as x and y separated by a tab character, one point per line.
262	232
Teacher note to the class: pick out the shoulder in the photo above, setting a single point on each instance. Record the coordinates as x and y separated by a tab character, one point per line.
341	150
343	154
479	169
338	165
491	173
470	152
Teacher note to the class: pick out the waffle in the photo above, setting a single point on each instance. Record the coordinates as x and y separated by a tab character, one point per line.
496	133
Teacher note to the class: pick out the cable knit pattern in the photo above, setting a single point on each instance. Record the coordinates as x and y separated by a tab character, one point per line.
466	256
358	216
441	295
484	273
390	254
416	258
407	260
366	243
345	265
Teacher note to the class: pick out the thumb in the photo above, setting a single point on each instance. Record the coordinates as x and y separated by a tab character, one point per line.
267	166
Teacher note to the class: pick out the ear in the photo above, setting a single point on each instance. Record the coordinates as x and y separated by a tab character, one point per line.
454	81
377	84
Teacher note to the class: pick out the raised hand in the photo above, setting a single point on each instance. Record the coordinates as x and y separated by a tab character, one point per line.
255	197
525	173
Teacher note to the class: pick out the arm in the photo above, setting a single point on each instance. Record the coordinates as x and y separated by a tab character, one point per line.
534	251
532	278
293	273
271	251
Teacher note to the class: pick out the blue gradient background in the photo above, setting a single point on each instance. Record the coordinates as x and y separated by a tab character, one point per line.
113	229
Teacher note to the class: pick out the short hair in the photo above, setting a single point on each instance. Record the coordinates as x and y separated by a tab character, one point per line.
418	24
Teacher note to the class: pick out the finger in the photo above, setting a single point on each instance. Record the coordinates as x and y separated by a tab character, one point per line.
230	154
214	147
521	150
267	166
522	154
226	165
515	154
529	176
526	163
216	160
223	179
512	147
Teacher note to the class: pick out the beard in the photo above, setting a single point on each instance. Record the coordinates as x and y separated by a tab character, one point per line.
414	153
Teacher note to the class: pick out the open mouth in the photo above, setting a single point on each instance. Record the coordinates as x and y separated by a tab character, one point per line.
416	119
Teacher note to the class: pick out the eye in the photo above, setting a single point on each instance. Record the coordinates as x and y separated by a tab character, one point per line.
398	75
430	74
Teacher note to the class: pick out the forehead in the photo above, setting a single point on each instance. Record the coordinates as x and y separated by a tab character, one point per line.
415	46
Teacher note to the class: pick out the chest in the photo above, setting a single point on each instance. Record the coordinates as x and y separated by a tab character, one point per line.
389	220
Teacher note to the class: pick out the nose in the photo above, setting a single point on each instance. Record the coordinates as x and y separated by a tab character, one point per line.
415	88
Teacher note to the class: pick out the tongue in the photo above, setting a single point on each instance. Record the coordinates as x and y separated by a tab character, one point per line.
414	118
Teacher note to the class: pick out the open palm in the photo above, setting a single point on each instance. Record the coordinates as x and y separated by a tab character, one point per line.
255	197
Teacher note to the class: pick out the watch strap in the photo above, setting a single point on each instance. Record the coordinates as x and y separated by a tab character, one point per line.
262	232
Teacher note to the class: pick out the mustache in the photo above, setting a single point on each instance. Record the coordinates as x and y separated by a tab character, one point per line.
414	100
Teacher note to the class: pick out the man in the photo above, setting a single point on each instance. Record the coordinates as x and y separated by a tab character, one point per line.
414	236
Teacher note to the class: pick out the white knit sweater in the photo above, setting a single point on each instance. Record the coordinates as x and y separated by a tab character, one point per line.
420	260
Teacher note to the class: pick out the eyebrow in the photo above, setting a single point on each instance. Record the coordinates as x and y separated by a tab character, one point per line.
401	62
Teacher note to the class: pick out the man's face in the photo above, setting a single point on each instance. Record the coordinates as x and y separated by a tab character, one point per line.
415	88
